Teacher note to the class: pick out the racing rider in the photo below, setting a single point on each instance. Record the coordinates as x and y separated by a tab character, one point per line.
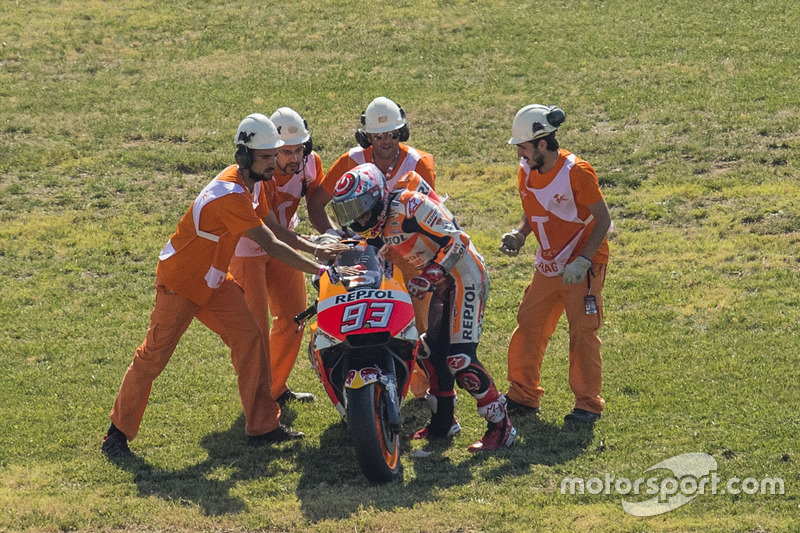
419	228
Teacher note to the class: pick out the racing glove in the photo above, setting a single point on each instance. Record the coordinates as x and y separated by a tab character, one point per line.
512	242
575	271
431	275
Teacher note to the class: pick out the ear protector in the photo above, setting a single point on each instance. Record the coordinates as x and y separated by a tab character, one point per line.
308	146
555	117
244	156
361	135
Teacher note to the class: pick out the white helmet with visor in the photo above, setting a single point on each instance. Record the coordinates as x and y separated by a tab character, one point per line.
358	192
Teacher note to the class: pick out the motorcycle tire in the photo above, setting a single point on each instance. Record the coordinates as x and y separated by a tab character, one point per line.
377	448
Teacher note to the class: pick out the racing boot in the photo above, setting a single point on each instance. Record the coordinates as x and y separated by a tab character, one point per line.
500	433
443	422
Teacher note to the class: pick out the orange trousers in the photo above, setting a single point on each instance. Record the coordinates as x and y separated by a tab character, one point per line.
273	288
226	314
544	301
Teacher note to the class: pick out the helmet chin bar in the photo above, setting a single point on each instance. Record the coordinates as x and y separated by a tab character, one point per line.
374	225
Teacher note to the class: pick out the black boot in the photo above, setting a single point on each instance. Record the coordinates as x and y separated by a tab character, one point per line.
443	422
115	444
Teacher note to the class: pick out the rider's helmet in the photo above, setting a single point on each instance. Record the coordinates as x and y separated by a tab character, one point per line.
358	192
535	121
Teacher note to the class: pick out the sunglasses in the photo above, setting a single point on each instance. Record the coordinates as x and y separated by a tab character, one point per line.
393	134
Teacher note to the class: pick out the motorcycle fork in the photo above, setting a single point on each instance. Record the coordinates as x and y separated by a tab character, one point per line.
388	378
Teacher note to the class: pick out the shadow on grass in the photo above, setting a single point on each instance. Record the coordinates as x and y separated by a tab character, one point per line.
229	456
332	487
544	443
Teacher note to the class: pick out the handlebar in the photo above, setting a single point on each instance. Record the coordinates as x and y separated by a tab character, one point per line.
303	317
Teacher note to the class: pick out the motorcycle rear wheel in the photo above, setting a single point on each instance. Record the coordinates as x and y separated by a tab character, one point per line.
377	448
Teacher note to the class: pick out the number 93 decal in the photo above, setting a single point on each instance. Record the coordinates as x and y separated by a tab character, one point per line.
365	315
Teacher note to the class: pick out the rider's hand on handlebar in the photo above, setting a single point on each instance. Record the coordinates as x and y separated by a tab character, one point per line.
431	275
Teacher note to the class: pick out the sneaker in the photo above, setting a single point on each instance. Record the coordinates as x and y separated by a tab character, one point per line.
290	396
498	435
115	445
582	416
279	434
520	408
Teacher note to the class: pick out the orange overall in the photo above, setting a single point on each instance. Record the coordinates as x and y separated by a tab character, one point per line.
270	286
192	282
555	204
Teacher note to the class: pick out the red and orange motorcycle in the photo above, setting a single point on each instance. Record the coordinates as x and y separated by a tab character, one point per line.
363	346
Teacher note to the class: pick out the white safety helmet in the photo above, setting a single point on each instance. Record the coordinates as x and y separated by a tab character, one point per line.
257	132
383	115
535	121
292	127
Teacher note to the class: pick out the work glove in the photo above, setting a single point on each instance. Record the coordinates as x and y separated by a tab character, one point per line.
329	237
576	271
431	275
512	242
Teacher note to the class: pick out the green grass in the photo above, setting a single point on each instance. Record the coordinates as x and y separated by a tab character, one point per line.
113	115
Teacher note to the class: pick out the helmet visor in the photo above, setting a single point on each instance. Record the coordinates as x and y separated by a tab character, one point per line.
349	210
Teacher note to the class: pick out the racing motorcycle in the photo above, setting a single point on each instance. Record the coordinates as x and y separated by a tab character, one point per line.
363	347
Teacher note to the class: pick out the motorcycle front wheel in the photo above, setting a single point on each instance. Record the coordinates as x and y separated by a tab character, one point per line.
377	447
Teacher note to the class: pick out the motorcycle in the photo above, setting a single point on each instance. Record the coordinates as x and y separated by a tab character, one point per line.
363	346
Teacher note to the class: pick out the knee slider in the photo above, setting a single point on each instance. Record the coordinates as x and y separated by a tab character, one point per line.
472	378
473	381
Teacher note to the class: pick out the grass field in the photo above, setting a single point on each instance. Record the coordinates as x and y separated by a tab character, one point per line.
113	116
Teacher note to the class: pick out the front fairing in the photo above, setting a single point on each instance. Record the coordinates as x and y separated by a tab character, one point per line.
373	302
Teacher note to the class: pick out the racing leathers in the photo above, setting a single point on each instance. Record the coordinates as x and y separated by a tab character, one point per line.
423	231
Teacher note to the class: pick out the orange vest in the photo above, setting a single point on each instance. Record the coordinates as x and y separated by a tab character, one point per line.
555	204
282	195
410	159
195	260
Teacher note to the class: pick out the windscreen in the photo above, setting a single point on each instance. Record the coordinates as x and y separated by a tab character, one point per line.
370	270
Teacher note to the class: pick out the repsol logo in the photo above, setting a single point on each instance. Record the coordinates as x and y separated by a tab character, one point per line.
394	240
468	313
361	294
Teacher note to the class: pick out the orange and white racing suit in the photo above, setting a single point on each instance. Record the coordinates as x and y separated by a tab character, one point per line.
555	204
270	286
423	231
